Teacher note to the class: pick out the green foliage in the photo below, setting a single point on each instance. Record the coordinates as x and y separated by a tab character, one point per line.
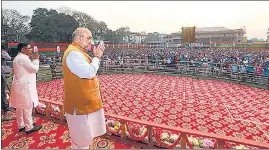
14	25
55	26
99	29
51	26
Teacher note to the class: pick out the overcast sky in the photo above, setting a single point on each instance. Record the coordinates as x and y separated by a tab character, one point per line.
163	16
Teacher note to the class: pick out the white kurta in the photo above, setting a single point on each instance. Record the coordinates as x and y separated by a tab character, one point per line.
23	88
84	128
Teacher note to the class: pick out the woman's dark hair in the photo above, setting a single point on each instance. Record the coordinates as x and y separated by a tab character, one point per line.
21	46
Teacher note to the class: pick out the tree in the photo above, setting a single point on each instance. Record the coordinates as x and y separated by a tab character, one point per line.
122	32
14	25
98	28
102	26
51	26
83	19
102	29
110	36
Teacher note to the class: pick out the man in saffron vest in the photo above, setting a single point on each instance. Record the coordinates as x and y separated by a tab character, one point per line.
82	99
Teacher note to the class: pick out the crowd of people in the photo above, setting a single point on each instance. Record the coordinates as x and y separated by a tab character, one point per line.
50	58
209	55
247	57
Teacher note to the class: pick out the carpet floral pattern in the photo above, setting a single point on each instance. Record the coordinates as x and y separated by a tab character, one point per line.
205	105
51	136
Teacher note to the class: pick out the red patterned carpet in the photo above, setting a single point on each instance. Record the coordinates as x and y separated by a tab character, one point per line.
205	105
51	136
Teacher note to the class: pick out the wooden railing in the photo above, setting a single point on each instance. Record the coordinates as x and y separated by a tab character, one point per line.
152	134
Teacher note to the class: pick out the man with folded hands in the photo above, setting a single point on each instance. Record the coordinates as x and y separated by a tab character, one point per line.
23	89
82	98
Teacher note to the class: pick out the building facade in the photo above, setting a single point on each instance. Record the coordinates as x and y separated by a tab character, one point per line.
135	38
138	38
205	36
173	40
156	39
219	35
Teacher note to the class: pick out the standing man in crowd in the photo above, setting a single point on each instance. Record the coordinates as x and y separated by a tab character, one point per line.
23	90
5	73
82	99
